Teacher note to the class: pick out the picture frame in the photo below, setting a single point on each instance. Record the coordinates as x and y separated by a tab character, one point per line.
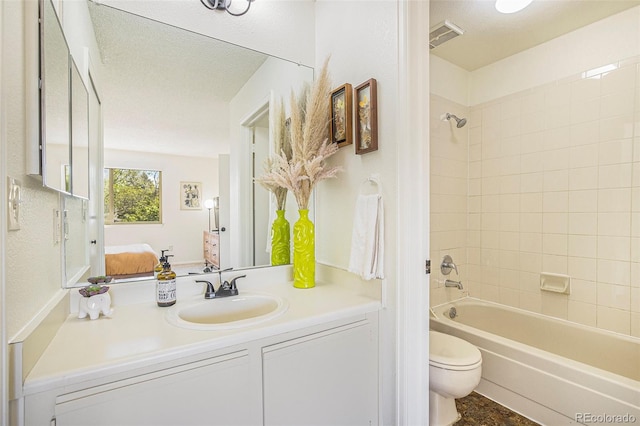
366	105
191	196
341	111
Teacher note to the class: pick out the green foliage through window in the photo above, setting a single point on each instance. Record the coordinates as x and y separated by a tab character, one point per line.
132	196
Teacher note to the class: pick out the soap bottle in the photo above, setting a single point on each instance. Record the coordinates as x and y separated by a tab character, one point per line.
166	285
160	266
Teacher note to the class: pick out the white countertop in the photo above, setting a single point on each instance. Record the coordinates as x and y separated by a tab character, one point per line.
138	335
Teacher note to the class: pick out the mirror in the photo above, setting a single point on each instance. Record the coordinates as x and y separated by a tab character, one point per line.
192	107
75	235
79	135
54	99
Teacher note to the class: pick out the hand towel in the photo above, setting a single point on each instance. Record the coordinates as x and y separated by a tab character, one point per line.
367	240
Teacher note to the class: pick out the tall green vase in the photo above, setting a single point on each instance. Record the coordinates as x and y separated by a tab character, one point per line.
280	240
304	253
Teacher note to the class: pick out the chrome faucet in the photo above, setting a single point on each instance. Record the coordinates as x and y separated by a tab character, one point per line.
447	265
225	289
451	283
229	288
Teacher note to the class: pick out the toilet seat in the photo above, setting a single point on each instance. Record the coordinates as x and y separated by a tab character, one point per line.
452	353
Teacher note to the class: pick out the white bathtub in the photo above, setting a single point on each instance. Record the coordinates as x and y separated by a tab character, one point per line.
552	371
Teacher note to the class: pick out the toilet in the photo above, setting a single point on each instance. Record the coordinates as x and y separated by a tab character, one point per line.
455	367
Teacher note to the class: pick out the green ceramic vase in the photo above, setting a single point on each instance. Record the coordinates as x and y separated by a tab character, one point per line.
280	240
304	254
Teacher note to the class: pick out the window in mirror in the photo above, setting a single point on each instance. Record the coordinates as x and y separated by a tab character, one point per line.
132	196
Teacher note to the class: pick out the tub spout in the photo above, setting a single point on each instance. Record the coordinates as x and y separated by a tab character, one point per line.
451	283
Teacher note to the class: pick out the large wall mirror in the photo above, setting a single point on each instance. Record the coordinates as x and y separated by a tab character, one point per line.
177	102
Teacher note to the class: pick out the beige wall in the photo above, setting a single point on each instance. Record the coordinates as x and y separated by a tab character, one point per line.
448	192
552	189
553	179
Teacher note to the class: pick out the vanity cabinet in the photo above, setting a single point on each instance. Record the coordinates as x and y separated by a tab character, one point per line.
328	378
324	374
212	392
211	248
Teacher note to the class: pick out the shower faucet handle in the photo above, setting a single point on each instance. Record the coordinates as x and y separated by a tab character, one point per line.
447	265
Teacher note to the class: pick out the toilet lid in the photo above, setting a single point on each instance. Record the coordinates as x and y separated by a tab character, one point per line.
447	350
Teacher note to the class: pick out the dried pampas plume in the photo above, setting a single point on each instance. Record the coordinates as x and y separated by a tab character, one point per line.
305	166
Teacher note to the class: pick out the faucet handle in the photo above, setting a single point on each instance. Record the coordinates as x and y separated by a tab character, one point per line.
447	265
210	293
231	287
232	284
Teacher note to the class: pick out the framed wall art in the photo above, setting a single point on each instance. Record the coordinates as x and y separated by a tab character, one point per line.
341	128
190	193
366	96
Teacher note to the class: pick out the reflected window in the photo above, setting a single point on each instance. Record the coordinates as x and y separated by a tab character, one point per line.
132	196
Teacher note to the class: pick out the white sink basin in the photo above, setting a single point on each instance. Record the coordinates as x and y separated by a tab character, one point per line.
225	313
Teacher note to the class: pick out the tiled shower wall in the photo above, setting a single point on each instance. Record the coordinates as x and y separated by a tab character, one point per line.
449	153
553	186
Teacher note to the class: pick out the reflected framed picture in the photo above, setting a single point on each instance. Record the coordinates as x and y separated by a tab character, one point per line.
341	128
366	95
190	194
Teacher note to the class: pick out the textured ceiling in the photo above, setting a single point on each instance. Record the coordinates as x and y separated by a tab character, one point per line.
165	89
490	36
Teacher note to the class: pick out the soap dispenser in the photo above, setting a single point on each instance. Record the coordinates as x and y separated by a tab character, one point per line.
166	285
160	266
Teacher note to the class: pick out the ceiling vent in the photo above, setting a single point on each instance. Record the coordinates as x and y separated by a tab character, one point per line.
443	32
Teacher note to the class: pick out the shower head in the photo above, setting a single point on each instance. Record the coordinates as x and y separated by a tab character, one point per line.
460	121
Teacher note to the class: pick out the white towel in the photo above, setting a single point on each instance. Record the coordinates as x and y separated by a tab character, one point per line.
367	241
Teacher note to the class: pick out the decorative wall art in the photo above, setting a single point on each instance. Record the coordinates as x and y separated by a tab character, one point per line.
366	117
190	193
341	128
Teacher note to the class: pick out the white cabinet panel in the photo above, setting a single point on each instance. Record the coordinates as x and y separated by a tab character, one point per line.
327	378
212	392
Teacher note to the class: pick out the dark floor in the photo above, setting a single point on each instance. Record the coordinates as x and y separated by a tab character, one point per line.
476	410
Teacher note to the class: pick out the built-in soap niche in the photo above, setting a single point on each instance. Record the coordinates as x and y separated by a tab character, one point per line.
555	283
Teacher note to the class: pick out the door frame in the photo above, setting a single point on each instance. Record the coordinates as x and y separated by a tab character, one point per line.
413	214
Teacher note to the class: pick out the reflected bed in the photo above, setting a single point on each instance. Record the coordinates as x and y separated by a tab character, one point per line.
129	261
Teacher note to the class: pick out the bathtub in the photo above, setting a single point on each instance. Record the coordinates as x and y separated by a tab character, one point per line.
552	371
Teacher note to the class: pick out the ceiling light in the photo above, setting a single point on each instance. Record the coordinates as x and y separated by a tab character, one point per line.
224	5
511	6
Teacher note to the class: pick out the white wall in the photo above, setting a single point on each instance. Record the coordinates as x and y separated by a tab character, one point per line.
366	46
181	229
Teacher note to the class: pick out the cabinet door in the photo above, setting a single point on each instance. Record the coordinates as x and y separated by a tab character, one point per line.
328	378
212	392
